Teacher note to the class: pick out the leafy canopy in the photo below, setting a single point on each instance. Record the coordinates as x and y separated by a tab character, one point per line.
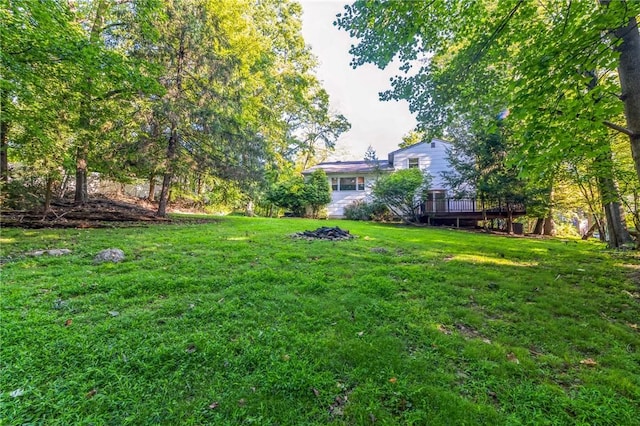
531	63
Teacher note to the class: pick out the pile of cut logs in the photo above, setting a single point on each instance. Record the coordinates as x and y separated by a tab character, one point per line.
325	233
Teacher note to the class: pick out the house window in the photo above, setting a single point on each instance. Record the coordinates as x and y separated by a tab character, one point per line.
414	163
433	144
348	183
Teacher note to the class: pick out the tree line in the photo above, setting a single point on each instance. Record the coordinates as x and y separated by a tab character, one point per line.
552	89
214	99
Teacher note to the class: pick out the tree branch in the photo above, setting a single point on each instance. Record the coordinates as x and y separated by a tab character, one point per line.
496	32
619	128
115	24
20	52
110	94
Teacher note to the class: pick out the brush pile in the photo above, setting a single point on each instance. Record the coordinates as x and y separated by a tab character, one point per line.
325	233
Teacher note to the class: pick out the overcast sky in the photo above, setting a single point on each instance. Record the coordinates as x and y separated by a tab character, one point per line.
353	93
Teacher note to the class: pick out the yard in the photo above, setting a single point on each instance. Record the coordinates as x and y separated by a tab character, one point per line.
235	322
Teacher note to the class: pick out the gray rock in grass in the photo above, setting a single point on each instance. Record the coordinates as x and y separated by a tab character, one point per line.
58	252
380	250
113	255
51	252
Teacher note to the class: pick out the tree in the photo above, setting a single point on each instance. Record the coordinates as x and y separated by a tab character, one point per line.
315	129
289	194
39	56
318	129
110	76
295	115
206	51
480	169
238	87
295	194
629	74
403	192
66	81
317	192
603	168
217	97
411	138
371	158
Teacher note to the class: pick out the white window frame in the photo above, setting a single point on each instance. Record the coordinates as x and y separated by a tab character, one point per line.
335	184
359	183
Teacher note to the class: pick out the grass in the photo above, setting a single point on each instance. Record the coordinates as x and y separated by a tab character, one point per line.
234	322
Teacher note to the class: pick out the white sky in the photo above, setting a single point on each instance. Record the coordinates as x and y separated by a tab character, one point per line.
353	93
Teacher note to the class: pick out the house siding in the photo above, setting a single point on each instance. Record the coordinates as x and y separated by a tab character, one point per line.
434	160
341	199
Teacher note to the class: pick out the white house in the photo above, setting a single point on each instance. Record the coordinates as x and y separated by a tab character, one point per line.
352	180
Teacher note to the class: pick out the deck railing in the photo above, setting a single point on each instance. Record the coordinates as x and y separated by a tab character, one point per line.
472	205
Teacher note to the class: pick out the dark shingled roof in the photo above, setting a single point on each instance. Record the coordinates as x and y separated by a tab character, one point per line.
350	167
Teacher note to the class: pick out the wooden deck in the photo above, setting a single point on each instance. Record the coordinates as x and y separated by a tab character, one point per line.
469	209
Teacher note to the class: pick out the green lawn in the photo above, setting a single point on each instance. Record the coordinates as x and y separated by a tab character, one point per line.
235	322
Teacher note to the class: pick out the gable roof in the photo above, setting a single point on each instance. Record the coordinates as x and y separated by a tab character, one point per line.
350	167
391	154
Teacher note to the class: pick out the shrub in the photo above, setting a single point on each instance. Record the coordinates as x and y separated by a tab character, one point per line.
403	192
358	210
317	192
367	210
289	195
295	195
18	194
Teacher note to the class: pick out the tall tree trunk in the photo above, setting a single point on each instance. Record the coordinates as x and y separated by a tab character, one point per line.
509	219
172	150
484	215
610	198
616	227
64	185
600	225
249	209
629	74
82	152
47	196
152	188
82	192
549	226
4	130
538	228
